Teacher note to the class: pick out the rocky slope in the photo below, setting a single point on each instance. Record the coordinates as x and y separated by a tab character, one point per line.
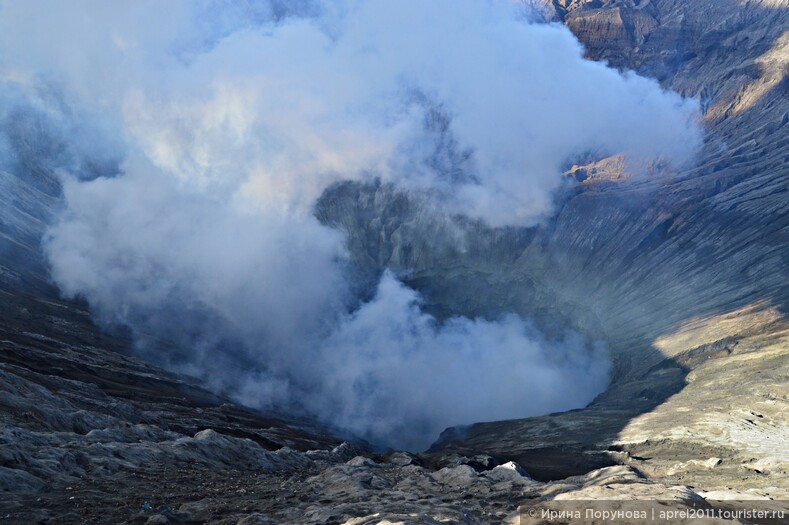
90	435
684	276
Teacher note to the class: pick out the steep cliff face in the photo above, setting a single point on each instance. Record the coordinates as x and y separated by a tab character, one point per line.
636	262
665	241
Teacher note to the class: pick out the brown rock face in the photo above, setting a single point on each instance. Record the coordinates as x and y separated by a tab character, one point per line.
617	27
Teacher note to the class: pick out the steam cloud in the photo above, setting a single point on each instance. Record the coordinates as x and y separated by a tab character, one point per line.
231	118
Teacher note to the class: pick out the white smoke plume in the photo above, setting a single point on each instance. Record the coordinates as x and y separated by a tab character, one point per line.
235	116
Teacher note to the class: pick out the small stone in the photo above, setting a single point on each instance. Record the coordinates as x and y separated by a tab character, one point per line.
361	461
712	462
401	459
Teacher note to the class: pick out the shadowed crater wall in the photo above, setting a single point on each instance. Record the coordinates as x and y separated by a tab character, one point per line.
624	261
